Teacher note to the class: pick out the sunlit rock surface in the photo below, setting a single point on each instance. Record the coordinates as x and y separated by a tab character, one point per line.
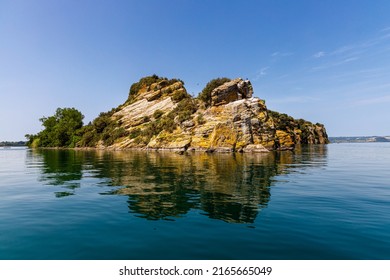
235	122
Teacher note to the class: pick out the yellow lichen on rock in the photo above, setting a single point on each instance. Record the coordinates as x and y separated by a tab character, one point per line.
160	114
176	140
224	137
285	139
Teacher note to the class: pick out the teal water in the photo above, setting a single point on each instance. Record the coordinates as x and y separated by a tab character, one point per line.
318	202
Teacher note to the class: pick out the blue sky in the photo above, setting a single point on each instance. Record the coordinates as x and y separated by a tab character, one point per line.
324	61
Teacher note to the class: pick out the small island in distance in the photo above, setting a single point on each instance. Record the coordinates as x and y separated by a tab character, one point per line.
159	114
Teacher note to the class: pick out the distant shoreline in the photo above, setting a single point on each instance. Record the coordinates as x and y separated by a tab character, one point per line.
360	139
13	144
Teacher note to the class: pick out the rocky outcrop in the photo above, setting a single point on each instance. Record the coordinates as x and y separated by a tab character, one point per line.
162	116
231	91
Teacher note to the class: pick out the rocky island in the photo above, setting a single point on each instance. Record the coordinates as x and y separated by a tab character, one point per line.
159	114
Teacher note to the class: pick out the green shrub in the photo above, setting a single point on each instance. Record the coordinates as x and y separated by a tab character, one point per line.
89	139
179	95
184	110
166	123
157	114
102	121
200	119
145	81
172	81
135	133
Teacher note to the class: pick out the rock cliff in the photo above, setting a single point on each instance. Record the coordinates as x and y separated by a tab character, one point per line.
159	114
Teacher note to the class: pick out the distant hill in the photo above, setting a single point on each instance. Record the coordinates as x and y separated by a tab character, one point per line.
359	139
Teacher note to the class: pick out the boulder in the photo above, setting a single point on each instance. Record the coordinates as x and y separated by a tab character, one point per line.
236	89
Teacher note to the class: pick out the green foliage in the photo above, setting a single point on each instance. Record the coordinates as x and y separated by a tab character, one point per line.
101	122
179	95
61	129
200	119
108	129
32	140
172	81
205	95
135	133
89	136
182	112
167	124
65	128
154	128
288	124
145	81
157	114
104	128
283	121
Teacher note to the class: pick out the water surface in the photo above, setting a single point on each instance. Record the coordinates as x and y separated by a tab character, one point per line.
318	202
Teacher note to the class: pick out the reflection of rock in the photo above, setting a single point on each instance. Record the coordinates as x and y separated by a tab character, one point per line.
63	194
162	185
227	187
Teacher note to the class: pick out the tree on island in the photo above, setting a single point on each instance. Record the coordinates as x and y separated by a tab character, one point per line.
61	130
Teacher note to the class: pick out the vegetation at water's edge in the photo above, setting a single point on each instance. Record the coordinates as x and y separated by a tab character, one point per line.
65	129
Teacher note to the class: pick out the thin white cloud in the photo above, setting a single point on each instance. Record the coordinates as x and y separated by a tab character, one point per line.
261	73
282	77
374	100
294	99
385	29
349	59
367	73
319	54
360	47
343	50
281	54
373	46
335	63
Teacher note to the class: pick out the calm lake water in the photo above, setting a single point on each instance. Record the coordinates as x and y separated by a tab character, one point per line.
319	202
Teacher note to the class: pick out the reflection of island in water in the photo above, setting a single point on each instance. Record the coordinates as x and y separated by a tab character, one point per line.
164	185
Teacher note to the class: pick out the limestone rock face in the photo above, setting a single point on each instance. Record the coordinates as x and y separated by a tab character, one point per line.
234	126
162	116
158	96
231	91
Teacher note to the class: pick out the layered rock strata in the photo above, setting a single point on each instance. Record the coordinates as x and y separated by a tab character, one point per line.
235	122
